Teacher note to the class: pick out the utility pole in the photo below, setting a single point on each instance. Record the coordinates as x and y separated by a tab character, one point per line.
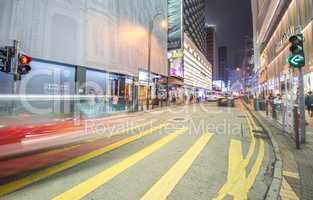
151	26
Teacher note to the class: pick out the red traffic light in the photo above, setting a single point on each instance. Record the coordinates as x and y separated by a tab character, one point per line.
25	60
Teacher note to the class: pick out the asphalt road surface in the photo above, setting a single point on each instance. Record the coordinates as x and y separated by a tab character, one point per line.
191	152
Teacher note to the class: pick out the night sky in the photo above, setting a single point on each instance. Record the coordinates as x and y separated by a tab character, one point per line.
234	21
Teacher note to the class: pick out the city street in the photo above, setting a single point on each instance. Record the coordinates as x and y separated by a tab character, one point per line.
166	99
197	151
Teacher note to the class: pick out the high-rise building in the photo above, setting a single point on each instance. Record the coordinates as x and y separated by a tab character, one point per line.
190	71
194	22
211	48
222	63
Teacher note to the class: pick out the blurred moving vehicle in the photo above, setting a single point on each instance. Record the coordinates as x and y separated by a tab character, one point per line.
227	100
214	96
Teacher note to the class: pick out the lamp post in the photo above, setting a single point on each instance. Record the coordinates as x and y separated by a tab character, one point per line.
151	25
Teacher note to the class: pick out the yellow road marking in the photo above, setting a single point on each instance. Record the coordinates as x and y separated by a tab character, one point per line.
251	146
286	192
256	167
93	183
291	174
37	176
161	189
236	173
238	185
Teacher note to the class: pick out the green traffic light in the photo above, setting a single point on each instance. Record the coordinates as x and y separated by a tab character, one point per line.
296	59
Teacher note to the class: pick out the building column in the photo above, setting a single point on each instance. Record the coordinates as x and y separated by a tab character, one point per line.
80	89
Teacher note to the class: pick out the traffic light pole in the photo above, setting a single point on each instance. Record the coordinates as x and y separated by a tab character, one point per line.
301	86
14	65
302	106
16	75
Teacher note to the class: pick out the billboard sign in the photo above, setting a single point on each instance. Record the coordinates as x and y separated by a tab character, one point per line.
176	64
175	18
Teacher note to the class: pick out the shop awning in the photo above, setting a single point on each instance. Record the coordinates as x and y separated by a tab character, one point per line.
172	81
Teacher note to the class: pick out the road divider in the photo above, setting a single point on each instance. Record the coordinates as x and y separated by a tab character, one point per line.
95	182
42	174
161	189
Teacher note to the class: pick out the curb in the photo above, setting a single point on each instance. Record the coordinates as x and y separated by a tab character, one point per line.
274	189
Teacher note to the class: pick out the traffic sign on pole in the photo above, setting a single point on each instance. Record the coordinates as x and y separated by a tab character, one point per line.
296	59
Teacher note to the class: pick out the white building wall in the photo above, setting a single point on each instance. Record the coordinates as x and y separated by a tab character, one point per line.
110	35
197	69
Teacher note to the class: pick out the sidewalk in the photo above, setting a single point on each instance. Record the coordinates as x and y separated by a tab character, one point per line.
297	182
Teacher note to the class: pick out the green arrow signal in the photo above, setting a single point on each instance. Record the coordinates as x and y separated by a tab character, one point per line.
295	60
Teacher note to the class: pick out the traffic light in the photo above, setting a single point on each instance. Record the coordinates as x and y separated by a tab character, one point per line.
23	64
5	59
296	58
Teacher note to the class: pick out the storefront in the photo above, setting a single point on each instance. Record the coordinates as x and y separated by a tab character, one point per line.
107	93
176	91
157	89
51	90
40	92
276	51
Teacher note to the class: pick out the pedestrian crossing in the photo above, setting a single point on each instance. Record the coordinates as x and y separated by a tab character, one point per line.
238	179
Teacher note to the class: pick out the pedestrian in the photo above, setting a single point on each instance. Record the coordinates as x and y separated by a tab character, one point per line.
309	103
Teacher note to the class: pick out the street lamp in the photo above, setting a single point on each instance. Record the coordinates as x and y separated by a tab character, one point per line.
163	24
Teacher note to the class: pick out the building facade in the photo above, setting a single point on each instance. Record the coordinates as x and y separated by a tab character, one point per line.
222	63
190	71
212	48
194	22
197	70
101	45
274	23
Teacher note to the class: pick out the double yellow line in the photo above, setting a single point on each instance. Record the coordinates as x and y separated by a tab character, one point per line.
238	183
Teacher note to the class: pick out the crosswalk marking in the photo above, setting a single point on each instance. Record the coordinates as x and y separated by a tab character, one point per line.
161	189
93	183
37	176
